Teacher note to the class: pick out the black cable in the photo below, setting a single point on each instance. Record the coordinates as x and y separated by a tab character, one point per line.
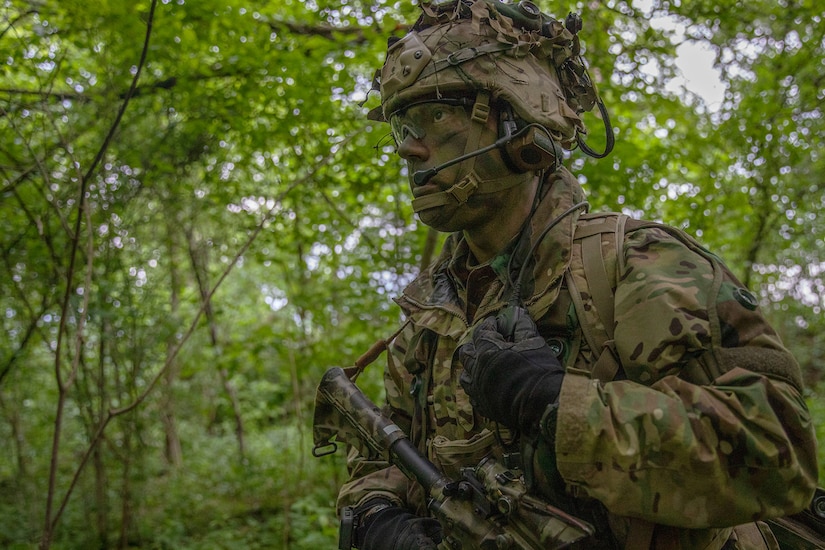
515	297
608	129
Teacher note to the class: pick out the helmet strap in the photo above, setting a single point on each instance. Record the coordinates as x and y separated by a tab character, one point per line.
461	191
479	116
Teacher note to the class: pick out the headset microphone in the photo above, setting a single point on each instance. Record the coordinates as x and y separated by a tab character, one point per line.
529	149
423	176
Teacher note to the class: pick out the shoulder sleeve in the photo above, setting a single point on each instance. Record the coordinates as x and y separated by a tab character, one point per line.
709	429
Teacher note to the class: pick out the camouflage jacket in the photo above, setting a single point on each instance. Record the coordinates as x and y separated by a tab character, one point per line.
704	427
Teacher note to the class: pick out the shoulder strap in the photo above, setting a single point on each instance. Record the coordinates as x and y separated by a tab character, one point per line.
601	280
594	232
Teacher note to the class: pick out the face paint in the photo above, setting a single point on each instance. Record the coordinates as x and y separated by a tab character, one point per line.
433	118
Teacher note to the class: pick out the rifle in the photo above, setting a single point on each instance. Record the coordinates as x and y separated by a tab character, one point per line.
805	529
489	508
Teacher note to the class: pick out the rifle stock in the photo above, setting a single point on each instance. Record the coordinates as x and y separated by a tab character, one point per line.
489	508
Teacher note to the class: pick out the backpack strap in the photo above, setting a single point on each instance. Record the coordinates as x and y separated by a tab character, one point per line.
594	232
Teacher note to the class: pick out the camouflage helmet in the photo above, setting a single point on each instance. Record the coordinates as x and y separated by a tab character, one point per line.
513	51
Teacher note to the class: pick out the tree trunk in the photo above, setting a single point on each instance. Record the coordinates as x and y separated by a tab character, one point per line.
173	452
200	265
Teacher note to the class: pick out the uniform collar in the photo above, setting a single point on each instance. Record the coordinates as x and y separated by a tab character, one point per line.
548	256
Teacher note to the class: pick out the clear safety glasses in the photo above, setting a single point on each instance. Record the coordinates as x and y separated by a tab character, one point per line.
429	118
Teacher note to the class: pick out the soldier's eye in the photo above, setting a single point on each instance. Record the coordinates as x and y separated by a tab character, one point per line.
439	114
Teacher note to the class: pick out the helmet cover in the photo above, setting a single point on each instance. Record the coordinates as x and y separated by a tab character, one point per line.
516	53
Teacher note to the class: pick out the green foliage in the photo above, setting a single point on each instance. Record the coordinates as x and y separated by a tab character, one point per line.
175	280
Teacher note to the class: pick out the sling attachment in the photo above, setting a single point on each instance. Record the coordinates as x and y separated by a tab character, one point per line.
372	354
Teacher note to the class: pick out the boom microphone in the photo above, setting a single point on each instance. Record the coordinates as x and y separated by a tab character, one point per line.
531	148
423	176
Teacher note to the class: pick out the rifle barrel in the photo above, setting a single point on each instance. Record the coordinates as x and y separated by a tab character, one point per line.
383	436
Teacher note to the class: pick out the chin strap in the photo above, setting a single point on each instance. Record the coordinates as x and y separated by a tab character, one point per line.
461	191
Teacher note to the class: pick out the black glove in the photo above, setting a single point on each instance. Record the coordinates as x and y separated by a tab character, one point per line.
510	379
395	528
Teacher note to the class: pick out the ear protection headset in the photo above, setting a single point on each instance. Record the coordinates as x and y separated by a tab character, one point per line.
527	147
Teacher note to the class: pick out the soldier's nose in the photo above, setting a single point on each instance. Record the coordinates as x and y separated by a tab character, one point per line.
412	148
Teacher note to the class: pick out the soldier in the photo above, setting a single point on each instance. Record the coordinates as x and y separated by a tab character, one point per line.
652	399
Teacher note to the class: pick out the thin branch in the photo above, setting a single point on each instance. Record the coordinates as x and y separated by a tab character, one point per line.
51	522
15	21
43	94
340	213
356	34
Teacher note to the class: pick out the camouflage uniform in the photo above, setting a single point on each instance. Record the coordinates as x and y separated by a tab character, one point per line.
705	426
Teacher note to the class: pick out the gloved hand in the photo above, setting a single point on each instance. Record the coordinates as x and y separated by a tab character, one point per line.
395	528
512	379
